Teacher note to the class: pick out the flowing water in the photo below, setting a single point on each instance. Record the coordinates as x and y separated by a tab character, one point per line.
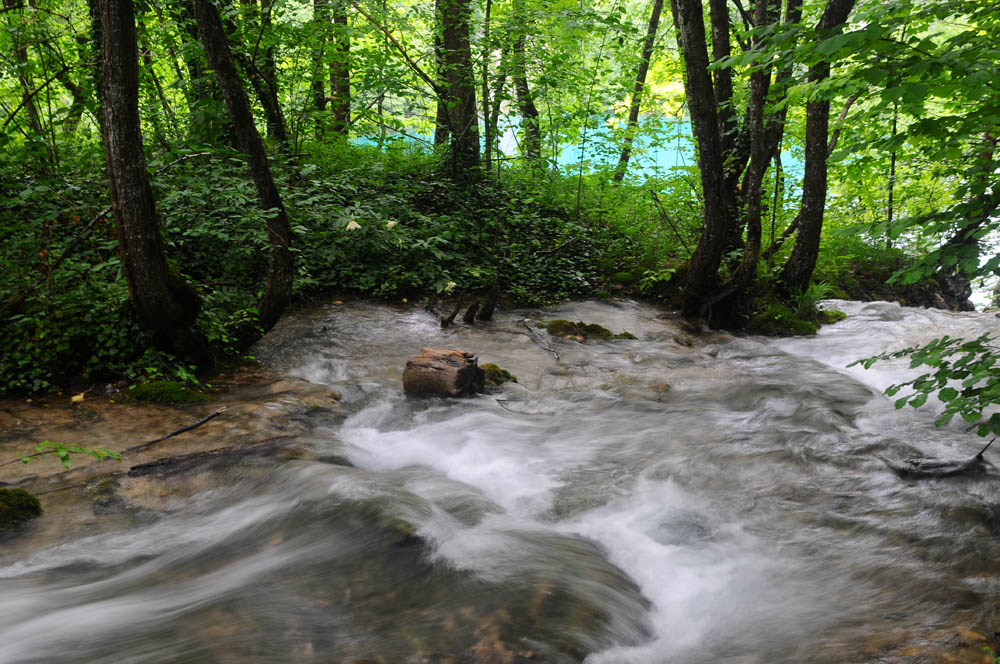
657	500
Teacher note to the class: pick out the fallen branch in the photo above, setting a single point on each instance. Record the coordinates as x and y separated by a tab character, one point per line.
666	218
543	344
142	446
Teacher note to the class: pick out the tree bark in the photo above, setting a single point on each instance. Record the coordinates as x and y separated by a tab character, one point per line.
460	89
799	267
703	266
485	73
321	18
640	82
278	290
165	304
340	70
531	134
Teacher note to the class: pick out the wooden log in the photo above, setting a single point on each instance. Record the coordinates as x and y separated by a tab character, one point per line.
443	372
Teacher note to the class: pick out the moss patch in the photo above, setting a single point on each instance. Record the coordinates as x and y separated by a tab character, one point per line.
167	391
580	330
828	316
779	320
497	376
16	507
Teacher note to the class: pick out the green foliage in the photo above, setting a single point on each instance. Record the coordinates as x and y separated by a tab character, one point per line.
167	391
806	299
965	378
16	507
62	452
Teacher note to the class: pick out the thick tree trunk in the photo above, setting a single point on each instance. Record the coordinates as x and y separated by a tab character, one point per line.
340	70
165	305
640	82
460	89
703	266
281	271
799	267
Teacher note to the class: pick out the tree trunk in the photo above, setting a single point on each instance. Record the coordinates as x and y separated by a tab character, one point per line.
321	18
165	304
340	70
460	89
278	290
441	119
485	71
703	266
640	81
799	267
531	134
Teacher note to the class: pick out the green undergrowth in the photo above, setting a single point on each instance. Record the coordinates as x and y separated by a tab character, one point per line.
365	223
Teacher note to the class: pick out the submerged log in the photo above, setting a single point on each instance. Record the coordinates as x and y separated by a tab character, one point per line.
443	372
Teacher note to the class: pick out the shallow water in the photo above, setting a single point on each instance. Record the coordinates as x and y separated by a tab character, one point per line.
631	501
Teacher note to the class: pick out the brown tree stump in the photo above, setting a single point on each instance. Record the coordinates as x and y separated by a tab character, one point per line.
444	373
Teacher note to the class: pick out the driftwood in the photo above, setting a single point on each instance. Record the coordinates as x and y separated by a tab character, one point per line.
470	314
443	372
931	468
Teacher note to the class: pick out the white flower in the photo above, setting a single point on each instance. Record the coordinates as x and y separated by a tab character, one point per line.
389	225
352	225
450	287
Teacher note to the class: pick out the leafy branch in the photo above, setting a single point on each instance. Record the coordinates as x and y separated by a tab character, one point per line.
63	452
965	377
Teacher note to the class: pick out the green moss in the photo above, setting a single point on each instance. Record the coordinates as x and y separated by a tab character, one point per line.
779	320
16	507
496	376
565	328
562	328
167	391
828	316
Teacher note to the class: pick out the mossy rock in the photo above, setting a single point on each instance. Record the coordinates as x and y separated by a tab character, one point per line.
497	376
828	316
779	320
167	391
17	506
564	328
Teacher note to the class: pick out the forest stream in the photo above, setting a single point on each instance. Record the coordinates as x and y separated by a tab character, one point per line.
683	498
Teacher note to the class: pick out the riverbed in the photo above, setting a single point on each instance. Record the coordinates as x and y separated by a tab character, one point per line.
685	497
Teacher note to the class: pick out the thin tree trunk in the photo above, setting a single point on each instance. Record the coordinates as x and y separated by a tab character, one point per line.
531	134
340	70
165	304
321	19
442	123
799	267
485	70
278	290
640	82
460	89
